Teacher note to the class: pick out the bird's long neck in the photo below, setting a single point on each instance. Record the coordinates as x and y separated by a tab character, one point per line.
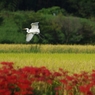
27	29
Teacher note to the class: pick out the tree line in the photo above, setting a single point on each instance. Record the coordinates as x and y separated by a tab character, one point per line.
60	21
80	8
55	27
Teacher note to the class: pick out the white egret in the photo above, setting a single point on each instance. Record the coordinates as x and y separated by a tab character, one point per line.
31	32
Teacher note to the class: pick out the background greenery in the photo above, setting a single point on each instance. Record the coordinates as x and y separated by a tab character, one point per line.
60	22
55	29
82	8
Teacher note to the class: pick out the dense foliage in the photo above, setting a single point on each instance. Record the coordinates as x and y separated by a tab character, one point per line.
31	80
60	21
56	27
82	8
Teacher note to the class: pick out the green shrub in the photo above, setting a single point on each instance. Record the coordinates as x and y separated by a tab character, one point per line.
75	30
55	10
55	29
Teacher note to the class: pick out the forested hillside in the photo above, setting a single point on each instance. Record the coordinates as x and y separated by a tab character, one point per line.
60	21
82	8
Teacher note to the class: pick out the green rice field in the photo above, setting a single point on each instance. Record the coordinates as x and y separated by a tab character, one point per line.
38	48
74	58
71	62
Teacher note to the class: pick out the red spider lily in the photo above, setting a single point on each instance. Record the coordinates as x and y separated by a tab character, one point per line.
93	77
11	80
64	73
69	78
68	87
57	74
89	93
49	81
7	64
85	88
5	92
58	88
64	81
23	81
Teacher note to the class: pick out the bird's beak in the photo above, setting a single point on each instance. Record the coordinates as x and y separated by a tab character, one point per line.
24	28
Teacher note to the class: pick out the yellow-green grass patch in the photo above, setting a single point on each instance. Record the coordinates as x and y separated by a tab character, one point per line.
38	48
71	62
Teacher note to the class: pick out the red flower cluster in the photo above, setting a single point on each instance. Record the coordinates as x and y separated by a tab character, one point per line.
41	81
13	82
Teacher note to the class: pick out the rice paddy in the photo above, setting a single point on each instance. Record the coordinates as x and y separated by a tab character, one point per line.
72	62
74	58
38	48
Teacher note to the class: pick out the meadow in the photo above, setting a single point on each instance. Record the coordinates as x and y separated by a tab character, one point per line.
47	69
48	48
71	62
74	58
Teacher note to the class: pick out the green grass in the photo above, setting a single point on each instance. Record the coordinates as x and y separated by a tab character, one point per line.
71	62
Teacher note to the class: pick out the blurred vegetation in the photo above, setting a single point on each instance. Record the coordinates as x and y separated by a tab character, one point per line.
80	8
37	48
57	27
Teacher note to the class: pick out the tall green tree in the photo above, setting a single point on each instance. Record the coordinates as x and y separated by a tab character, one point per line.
82	8
11	5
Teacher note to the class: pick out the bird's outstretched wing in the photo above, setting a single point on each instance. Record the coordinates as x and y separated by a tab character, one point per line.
29	36
34	25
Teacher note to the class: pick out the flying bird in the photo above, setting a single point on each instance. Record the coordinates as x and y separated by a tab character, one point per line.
32	31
